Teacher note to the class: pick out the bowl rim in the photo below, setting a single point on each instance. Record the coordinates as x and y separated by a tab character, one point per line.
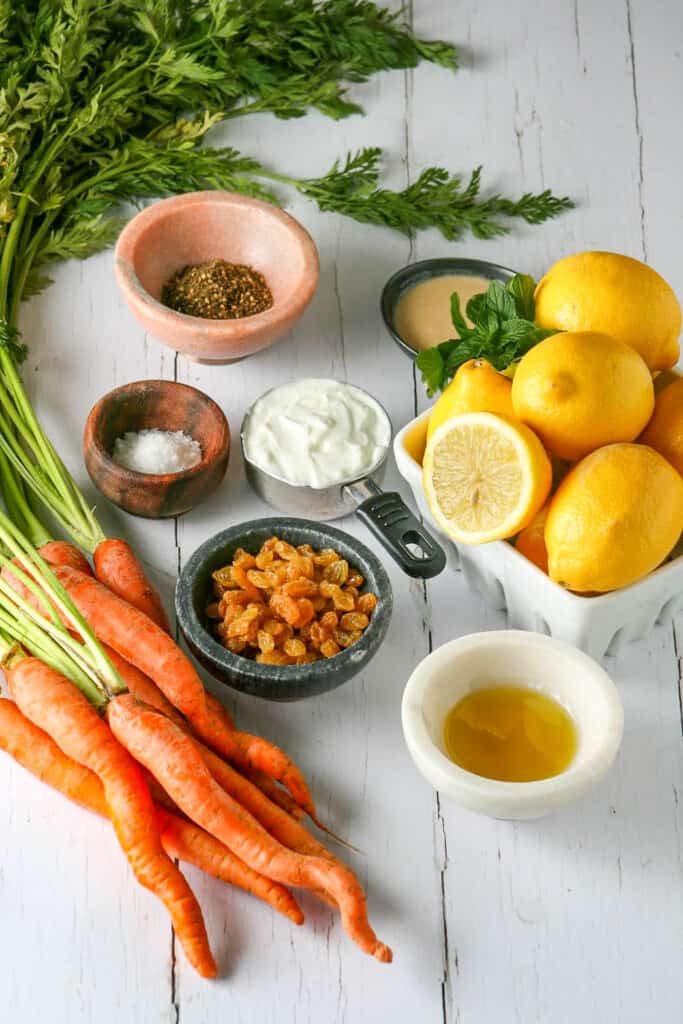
435	267
214	330
160	480
473	789
510	552
199	636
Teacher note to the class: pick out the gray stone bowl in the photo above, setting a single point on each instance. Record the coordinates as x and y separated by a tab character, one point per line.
278	682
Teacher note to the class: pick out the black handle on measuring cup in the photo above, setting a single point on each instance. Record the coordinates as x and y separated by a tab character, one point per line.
402	534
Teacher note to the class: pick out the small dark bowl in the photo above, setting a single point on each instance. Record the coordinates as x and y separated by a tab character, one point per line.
166	405
406	278
278	682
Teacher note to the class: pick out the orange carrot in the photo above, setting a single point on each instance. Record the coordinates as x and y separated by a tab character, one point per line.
186	841
142	687
174	760
220	709
271	789
61	552
278	822
35	751
117	567
54	704
142	643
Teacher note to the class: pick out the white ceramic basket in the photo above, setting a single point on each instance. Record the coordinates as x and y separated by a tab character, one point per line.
598	625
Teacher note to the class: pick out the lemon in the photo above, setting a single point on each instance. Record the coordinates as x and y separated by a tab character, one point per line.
485	477
476	387
664	432
662	378
613	519
579	390
617	295
416	440
531	541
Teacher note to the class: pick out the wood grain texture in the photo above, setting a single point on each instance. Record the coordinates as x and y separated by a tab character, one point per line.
577	917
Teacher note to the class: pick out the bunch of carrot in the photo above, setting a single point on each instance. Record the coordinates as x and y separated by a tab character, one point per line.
109	711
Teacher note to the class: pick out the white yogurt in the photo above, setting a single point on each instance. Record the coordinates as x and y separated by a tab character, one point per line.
316	432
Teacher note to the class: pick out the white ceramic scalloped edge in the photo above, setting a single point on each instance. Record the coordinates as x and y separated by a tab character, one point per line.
598	625
550	666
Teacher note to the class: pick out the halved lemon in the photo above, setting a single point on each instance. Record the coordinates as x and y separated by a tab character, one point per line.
485	477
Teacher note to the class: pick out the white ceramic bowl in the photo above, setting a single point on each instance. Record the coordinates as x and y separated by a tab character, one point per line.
517	658
599	625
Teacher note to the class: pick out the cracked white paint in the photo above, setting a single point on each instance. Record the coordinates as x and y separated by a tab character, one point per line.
576	918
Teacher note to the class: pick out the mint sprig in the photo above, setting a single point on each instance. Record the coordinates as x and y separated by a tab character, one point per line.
502	331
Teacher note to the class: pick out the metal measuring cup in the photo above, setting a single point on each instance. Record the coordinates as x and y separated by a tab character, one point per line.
383	512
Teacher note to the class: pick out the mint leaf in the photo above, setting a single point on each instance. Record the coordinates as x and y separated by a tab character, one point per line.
464	350
457	317
500	301
430	363
476	308
517	330
503	330
522	287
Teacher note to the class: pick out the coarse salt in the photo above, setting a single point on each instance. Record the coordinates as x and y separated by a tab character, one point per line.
157	451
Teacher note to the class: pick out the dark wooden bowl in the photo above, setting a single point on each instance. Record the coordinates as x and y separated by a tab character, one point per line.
165	405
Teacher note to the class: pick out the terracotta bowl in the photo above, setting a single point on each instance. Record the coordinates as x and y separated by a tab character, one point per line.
200	226
167	406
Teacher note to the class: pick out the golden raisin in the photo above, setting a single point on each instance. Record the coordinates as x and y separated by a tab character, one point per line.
243	559
236	597
285	550
337	572
223	577
236	645
344	638
264	558
326	557
307	659
265	641
367	603
301	588
306	611
354	620
294	648
261	580
287	608
273	658
343	601
240	577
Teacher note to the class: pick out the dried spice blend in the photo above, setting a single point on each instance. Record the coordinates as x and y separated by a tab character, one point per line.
217	290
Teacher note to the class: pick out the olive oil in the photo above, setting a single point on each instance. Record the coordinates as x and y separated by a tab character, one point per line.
510	733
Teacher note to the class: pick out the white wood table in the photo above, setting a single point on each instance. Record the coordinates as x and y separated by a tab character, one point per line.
575	918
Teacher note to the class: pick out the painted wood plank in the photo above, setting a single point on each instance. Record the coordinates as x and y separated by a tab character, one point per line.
349	742
576	916
567	918
80	940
